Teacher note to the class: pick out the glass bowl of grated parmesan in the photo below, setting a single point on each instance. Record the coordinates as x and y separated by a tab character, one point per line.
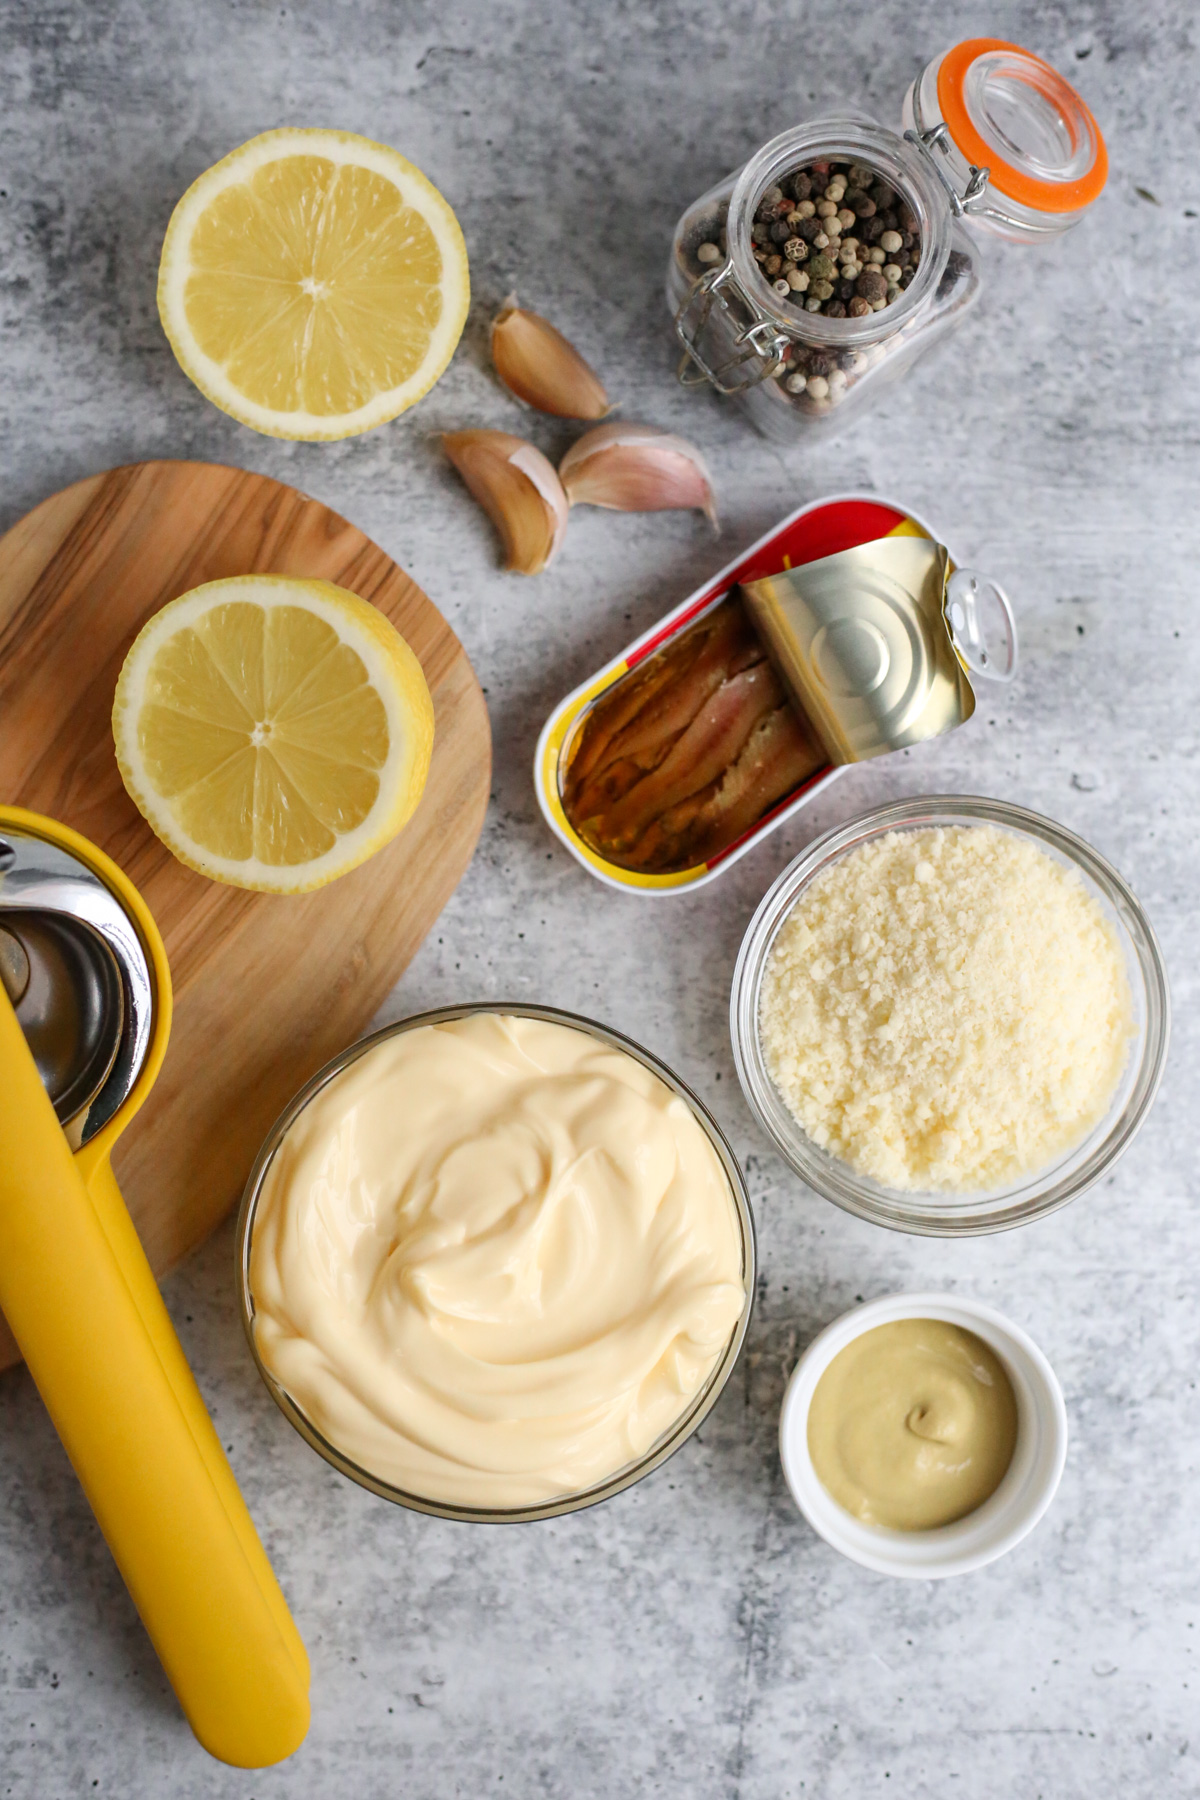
950	1015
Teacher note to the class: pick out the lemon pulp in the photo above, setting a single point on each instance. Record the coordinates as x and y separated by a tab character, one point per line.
273	732
313	283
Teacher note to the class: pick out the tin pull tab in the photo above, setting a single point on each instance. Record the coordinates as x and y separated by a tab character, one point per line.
980	616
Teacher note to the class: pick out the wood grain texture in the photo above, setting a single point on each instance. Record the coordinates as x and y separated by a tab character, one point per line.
267	987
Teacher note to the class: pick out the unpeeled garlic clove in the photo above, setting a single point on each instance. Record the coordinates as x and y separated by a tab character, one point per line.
537	364
518	489
636	468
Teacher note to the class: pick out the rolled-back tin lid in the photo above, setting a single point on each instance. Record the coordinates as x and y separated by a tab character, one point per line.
874	644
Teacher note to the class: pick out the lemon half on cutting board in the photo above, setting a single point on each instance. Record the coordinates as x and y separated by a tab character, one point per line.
273	732
312	283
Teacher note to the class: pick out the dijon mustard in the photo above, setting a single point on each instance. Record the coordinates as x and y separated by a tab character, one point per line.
913	1425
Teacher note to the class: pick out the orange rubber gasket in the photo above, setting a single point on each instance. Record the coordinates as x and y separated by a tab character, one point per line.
1045	196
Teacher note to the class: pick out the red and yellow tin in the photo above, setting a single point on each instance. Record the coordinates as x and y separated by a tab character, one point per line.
812	535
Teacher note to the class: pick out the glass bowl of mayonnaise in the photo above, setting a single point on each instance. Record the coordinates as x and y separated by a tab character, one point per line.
496	1262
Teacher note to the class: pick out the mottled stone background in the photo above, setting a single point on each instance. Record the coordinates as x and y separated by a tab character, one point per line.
692	1639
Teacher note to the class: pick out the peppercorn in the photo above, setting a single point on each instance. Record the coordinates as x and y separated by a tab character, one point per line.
956	266
821	362
831	216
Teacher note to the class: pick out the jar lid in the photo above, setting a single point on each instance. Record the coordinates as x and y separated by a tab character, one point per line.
1012	113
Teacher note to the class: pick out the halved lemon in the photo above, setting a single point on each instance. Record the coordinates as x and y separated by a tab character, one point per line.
273	732
312	283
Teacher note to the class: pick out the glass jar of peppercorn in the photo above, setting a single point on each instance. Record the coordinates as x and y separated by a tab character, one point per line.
838	254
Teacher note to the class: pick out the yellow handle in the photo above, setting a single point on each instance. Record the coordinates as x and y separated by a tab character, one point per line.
86	1313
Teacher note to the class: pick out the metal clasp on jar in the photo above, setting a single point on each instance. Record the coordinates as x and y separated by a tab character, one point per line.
938	138
756	341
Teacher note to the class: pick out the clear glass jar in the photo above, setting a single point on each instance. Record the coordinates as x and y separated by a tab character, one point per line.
993	137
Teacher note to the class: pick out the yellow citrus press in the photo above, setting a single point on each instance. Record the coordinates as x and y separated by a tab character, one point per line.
85	1012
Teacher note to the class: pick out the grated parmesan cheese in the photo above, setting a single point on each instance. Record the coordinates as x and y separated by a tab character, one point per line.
946	1008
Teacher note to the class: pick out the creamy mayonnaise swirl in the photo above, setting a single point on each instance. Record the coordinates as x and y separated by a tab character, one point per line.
494	1259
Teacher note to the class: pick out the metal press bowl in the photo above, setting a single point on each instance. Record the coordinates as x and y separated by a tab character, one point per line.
940	1214
702	1402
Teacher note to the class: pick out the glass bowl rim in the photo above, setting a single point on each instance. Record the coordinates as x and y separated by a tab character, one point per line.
918	1212
671	1440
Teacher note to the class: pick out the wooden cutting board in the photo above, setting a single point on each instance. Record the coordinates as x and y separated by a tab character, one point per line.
267	987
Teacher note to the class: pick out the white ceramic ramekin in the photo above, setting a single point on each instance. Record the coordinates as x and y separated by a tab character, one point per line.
993	1528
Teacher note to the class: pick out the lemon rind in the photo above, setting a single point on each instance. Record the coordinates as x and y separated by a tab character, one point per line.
396	675
342	147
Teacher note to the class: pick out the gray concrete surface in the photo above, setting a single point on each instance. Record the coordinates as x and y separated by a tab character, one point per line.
692	1639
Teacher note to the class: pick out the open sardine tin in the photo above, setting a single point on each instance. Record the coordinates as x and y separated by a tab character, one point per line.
872	630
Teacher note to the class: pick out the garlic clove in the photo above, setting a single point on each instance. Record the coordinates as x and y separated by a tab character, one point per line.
637	468
537	364
518	489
